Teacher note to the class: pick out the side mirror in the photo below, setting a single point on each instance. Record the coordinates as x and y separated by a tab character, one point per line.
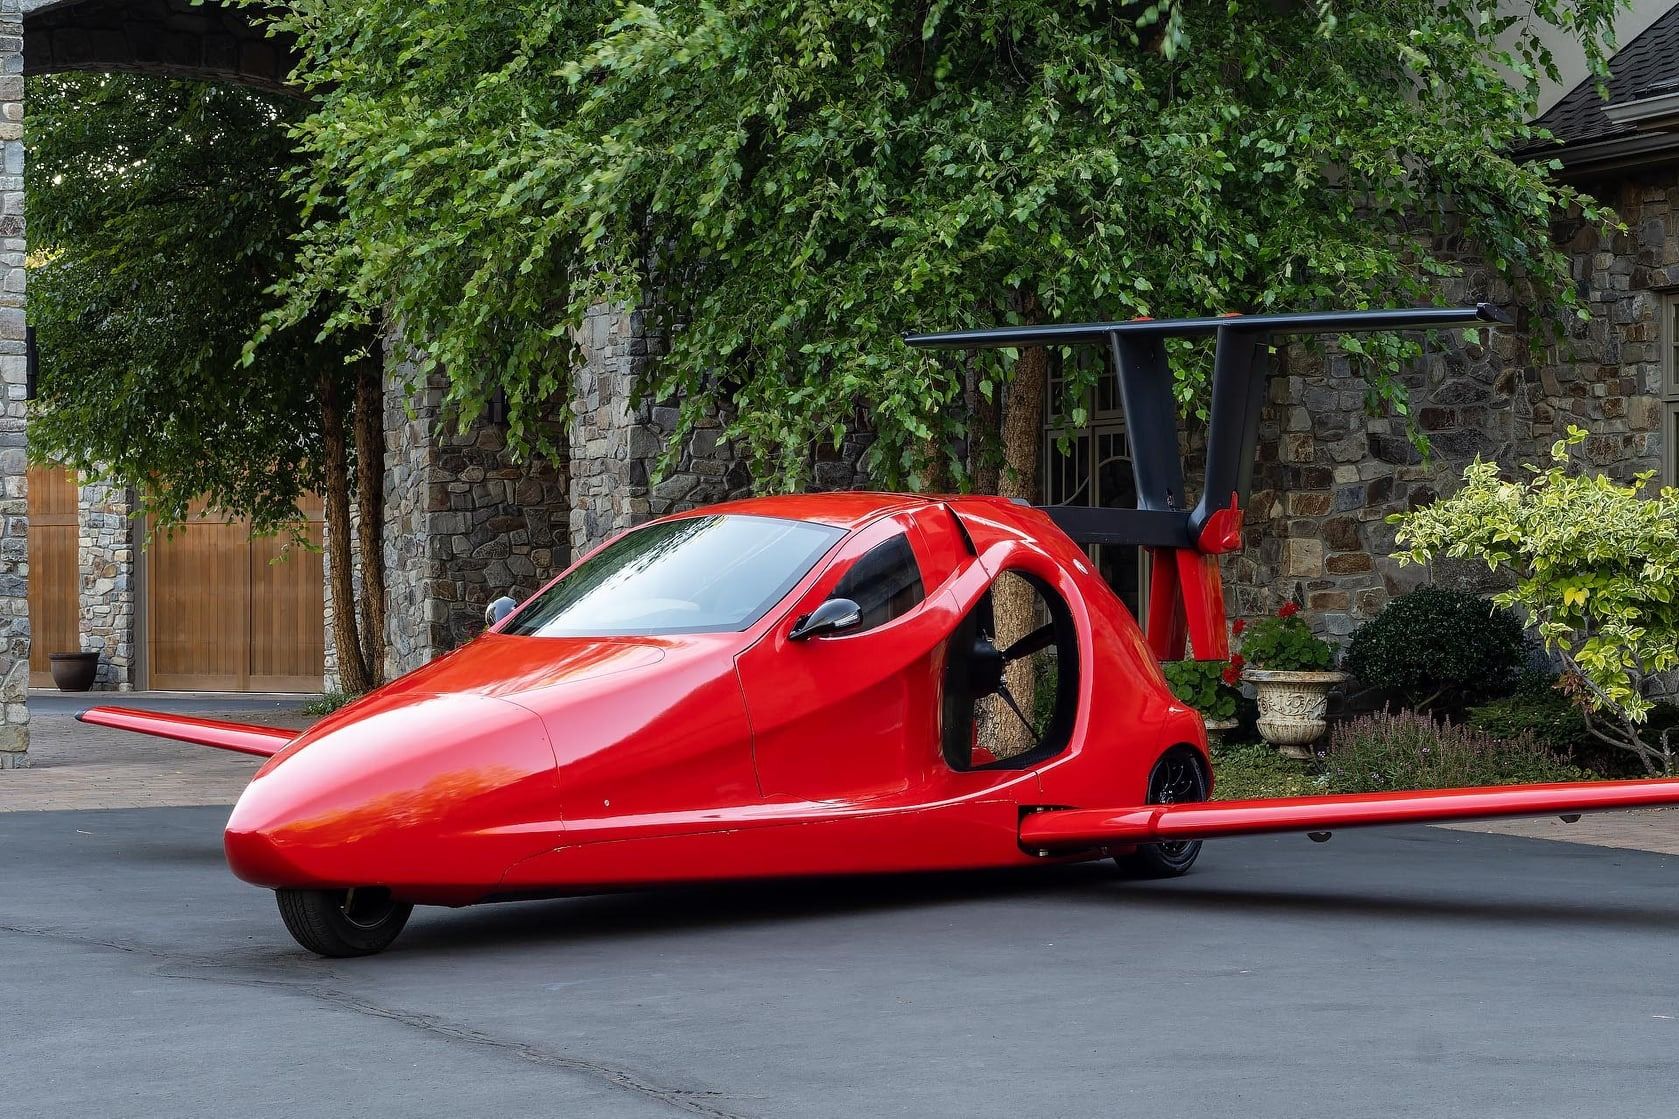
831	617
498	610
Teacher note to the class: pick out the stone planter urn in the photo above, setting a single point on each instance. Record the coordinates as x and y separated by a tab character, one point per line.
1217	729
1292	706
74	672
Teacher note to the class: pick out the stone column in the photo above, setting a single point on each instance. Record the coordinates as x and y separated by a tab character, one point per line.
106	597
464	524
409	456
616	443
14	495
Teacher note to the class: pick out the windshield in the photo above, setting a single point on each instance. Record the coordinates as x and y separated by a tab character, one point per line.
694	575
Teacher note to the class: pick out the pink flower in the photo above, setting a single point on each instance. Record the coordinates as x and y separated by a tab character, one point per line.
1288	610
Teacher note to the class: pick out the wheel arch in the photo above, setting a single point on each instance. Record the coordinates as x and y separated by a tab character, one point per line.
1199	753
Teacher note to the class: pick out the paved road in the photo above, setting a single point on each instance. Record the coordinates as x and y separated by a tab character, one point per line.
1420	972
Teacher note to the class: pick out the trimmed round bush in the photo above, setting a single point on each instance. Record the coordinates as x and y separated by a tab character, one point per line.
1439	648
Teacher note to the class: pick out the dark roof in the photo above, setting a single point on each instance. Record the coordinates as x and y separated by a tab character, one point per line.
1645	67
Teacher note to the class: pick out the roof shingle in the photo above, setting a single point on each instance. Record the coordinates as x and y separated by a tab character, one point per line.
1645	67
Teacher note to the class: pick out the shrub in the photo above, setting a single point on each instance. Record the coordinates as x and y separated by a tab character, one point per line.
1554	720
1557	724
1283	641
1594	563
1203	685
1439	647
1376	753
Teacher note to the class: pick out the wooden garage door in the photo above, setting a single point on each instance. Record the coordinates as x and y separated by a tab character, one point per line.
226	613
53	569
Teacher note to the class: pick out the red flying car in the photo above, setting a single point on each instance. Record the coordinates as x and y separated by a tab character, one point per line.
824	684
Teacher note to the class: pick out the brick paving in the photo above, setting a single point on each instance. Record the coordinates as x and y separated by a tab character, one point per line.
1655	829
73	766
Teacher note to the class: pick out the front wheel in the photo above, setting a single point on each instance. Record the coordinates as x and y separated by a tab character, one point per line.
1177	778
342	923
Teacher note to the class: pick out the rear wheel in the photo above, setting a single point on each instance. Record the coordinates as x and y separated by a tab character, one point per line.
340	923
1177	778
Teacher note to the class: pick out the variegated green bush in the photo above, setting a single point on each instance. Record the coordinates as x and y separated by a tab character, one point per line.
1593	562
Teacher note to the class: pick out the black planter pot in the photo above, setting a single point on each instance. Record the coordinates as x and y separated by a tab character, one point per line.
74	672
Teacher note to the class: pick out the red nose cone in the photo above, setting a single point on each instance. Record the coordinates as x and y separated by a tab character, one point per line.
254	857
412	790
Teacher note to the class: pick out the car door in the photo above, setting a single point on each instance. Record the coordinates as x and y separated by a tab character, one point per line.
853	715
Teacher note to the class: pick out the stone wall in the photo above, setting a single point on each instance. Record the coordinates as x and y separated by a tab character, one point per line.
463	524
1329	475
616	442
106	591
14	496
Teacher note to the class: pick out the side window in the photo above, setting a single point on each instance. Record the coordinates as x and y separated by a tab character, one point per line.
885	582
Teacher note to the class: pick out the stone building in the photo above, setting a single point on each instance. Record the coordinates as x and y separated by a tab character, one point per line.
1329	476
464	525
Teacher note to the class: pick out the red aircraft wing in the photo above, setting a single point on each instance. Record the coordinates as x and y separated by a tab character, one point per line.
242	738
1177	823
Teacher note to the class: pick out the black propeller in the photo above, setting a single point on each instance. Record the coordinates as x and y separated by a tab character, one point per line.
986	664
1035	642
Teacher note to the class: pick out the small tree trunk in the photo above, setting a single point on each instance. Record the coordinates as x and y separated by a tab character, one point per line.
1013	600
370	499
352	668
982	438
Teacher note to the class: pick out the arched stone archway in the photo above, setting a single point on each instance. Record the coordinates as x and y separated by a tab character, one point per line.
167	38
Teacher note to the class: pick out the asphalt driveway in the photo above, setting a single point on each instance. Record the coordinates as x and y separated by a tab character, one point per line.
1416	971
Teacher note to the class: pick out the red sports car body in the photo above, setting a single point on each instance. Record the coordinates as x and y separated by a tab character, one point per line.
532	762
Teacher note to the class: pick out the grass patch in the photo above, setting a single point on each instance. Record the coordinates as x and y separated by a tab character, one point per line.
328	703
1256	771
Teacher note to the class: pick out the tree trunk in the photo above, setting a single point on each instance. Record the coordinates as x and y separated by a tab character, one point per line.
352	668
982	437
370	500
1013	601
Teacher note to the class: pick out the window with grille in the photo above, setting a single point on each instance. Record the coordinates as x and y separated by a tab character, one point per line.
1670	388
1091	465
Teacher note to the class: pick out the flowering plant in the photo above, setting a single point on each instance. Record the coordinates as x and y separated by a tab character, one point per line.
1284	642
1233	670
1207	686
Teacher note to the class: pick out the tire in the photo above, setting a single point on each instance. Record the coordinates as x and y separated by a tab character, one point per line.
1177	778
342	923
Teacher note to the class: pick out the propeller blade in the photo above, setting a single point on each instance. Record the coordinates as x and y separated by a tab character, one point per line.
1035	642
1008	698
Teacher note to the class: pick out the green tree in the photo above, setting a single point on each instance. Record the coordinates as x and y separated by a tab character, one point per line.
160	220
787	187
1593	563
792	185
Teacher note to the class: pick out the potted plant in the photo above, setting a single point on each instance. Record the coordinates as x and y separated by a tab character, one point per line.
1209	687
74	672
1289	668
